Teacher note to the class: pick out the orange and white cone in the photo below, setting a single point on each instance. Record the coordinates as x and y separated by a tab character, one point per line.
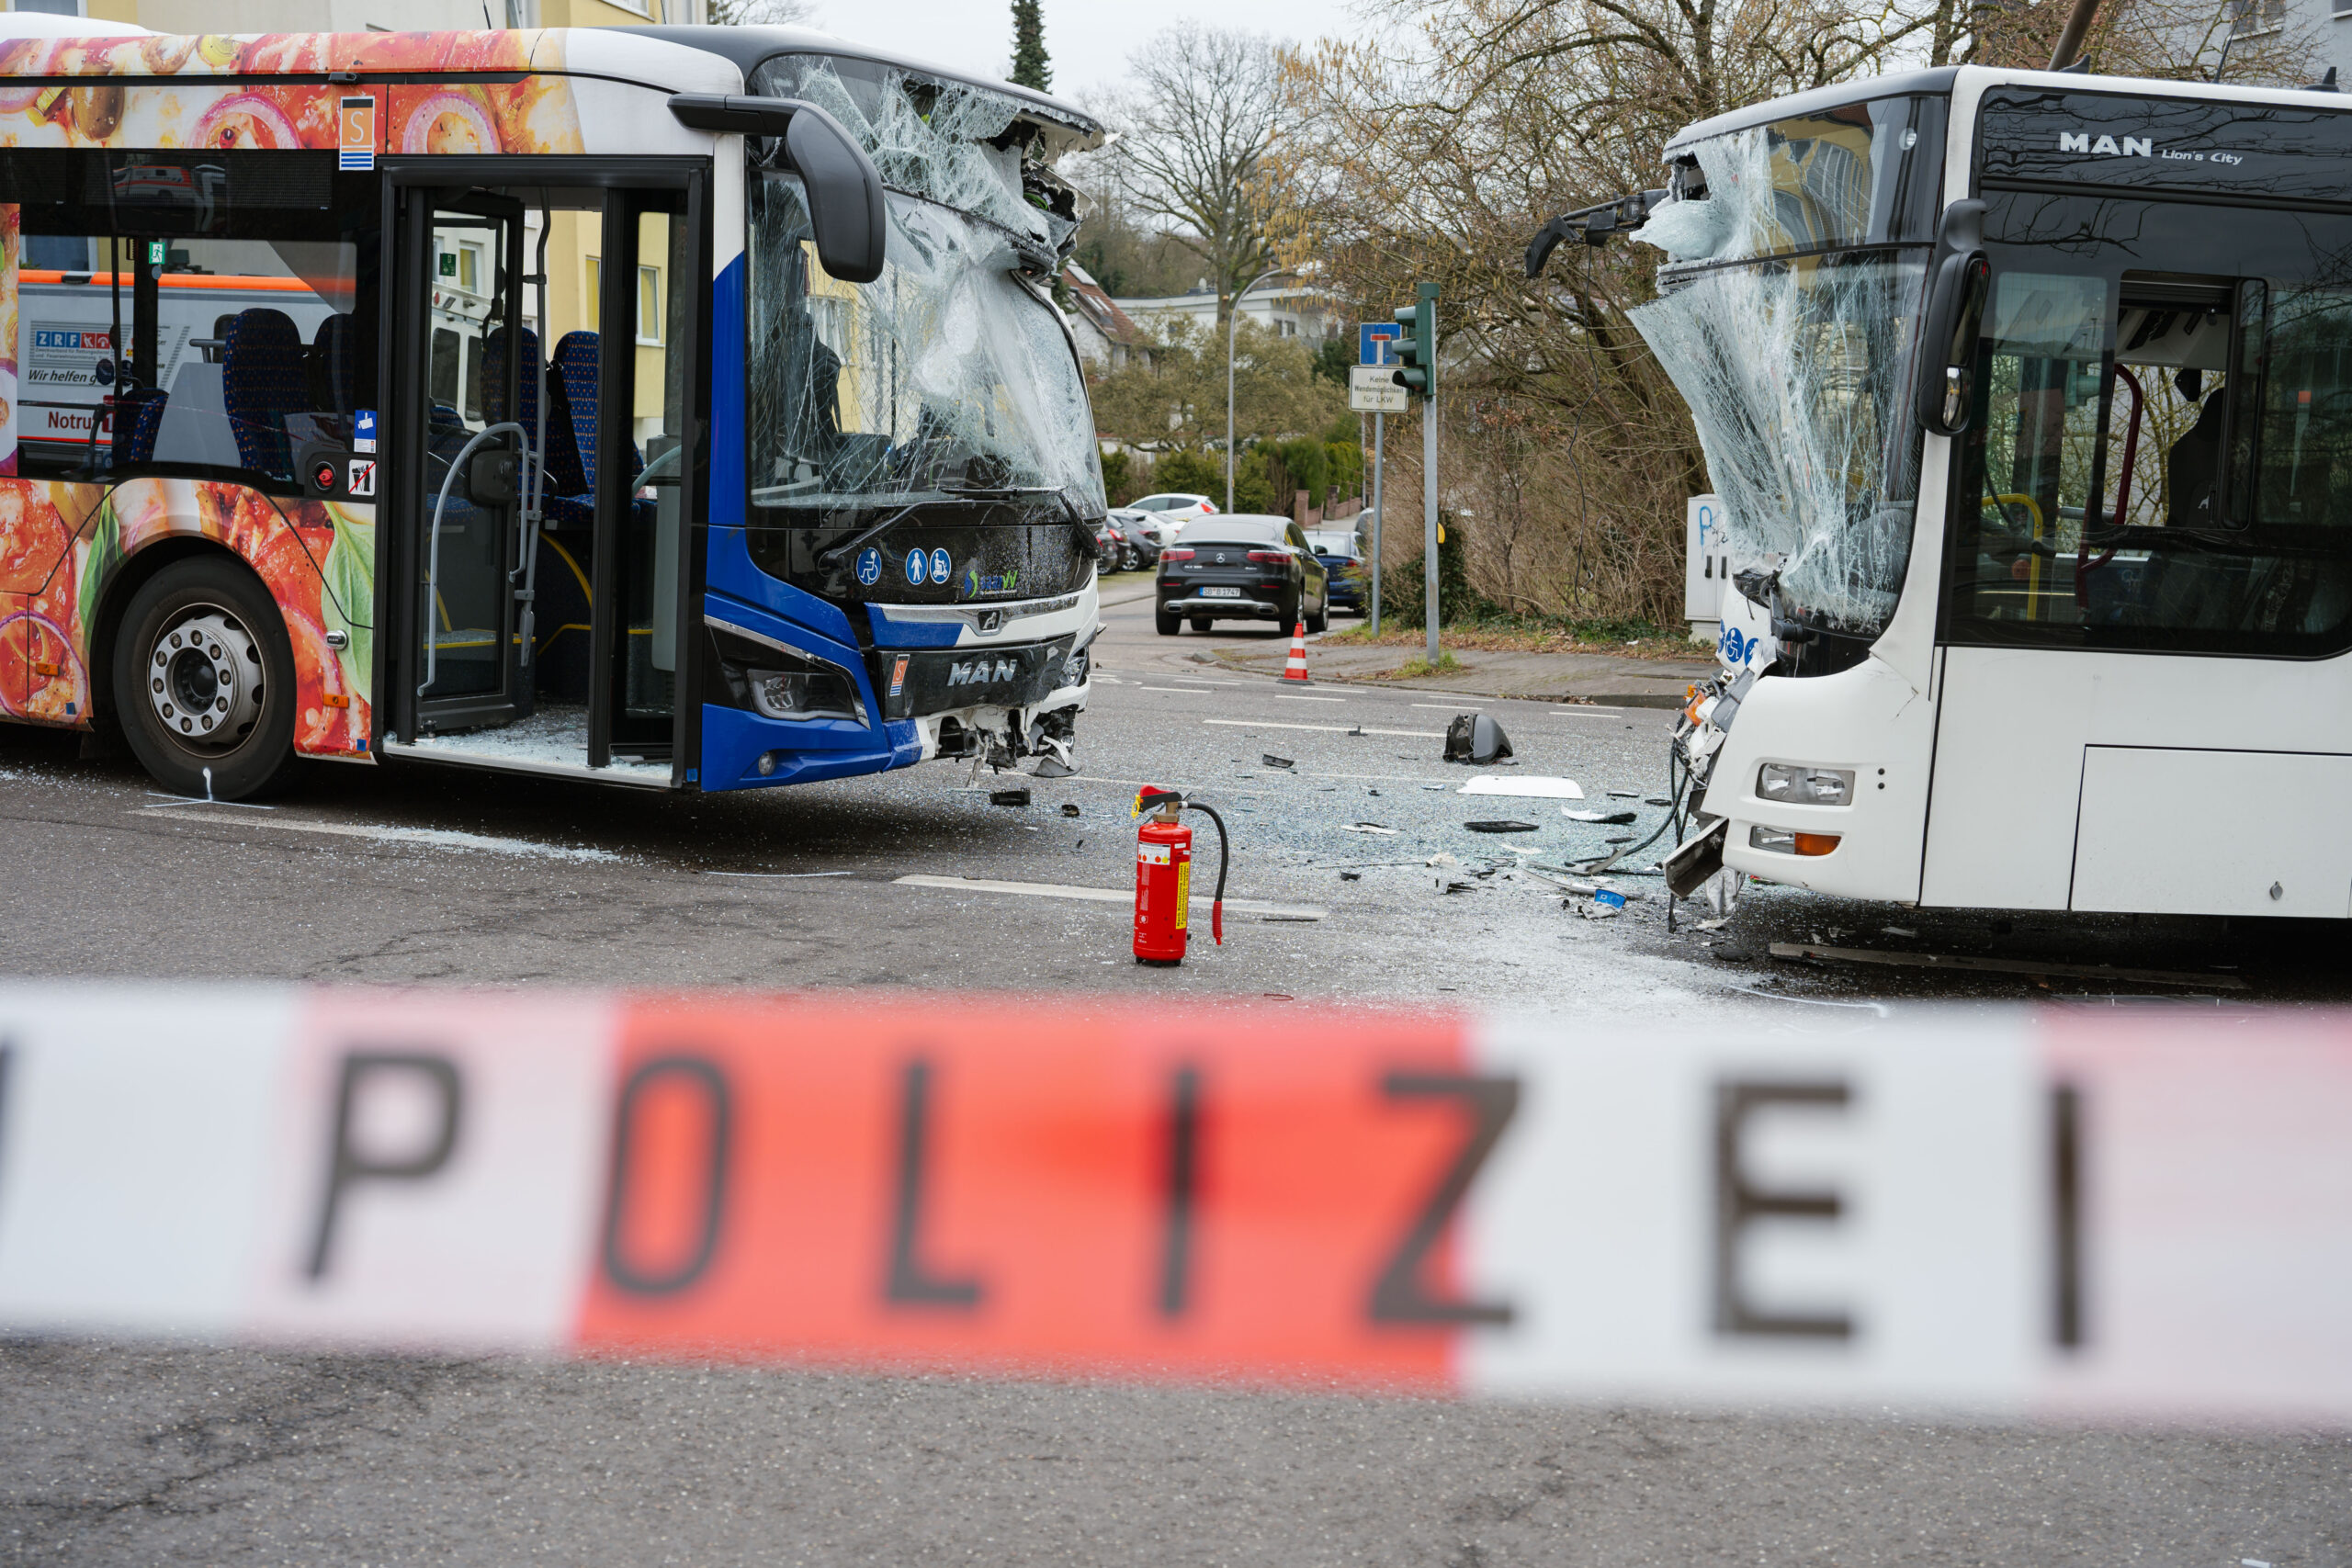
1296	669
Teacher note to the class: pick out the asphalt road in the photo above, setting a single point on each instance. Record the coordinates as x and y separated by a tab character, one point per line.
146	1455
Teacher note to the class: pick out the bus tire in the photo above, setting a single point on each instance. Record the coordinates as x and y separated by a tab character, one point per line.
221	695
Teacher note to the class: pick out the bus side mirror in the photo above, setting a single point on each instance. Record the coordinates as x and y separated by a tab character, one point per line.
1947	332
847	209
848	212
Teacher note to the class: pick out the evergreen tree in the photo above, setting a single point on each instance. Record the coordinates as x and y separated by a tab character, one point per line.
1032	67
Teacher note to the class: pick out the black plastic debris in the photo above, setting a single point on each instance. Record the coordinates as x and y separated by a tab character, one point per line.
1626	838
1351	876
1358	730
1460	886
1270	761
1007	797
1624	794
1658	800
1606	818
1474	738
1500	826
1053	768
1069	809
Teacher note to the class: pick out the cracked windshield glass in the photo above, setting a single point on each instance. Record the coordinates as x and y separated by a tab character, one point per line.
949	381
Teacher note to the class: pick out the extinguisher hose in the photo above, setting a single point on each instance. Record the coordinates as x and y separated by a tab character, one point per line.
1216	905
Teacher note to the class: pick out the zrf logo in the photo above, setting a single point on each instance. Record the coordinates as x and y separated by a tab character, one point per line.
2107	146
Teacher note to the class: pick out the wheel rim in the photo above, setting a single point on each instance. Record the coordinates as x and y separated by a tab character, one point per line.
204	679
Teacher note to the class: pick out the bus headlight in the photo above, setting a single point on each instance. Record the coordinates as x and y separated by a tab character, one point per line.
1803	785
804	694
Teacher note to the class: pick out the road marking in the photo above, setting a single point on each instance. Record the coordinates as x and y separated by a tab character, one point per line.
1105	895
433	838
197	800
1583	710
1195	690
1326	728
1303	697
780	876
1452	707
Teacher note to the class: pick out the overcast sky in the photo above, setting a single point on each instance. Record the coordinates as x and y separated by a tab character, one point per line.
1088	41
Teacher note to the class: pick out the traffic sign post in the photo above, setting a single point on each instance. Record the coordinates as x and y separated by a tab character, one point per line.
1373	342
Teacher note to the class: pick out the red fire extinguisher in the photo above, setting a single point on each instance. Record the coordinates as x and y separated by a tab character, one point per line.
1164	877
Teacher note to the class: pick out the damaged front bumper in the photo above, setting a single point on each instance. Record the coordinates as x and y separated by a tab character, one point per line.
992	683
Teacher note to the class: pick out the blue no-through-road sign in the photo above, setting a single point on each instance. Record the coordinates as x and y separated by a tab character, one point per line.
1372	339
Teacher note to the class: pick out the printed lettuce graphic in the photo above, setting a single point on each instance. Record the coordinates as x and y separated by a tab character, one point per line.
349	604
100	559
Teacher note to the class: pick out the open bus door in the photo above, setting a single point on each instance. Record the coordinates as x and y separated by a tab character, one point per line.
566	645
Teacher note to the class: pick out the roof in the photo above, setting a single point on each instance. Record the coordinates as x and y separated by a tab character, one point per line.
748	47
1938	80
1099	309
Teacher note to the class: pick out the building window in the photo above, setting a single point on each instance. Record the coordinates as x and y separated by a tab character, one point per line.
649	305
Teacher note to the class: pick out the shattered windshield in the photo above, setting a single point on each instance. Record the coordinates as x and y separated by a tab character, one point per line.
1786	309
946	379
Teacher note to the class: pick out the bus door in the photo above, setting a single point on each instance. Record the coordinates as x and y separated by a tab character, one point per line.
566	633
458	507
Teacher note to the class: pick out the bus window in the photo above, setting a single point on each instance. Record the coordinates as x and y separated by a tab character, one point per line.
209	316
2161	459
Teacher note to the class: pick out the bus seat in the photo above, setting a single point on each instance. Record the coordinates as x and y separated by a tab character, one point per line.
565	474
138	414
262	383
575	361
2193	462
335	365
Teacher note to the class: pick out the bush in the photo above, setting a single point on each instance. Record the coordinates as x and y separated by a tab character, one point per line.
1403	589
1118	477
1189	473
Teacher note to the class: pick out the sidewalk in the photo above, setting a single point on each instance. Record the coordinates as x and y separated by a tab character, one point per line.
1541	677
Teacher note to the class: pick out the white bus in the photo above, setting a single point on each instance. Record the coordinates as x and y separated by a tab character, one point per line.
2033	392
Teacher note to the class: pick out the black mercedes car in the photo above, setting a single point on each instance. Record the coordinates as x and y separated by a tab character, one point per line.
1241	567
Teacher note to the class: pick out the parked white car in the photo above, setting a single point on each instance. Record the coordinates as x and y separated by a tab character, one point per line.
1171	510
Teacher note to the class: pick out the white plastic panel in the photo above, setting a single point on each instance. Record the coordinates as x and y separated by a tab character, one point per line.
2174	832
2010	737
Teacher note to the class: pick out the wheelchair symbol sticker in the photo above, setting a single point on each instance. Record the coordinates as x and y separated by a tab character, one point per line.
869	566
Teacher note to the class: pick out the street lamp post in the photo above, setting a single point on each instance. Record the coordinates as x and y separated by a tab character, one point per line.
1232	325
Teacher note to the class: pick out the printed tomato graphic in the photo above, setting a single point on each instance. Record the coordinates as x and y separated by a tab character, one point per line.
450	122
32	536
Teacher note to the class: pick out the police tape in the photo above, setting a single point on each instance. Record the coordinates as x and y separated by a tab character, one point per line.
2064	1213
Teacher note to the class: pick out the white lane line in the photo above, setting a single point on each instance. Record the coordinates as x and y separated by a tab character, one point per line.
1303	697
1584	710
780	876
1105	895
194	800
1452	707
1326	728
1195	690
433	838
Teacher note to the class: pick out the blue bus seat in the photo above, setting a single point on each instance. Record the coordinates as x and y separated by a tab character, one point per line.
263	381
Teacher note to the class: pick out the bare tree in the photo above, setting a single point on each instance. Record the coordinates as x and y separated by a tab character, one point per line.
761	12
1199	123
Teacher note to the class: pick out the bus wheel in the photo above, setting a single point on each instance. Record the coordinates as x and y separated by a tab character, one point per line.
204	679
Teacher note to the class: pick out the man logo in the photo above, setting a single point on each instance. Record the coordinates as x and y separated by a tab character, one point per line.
982	672
2106	146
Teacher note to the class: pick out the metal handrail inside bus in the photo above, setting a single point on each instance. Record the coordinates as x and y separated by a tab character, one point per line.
433	554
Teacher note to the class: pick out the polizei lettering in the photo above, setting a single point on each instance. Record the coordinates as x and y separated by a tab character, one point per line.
982	672
2107	146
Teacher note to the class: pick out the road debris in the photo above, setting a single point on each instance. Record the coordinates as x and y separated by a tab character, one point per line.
1351	876
1369	828
1624	794
1606	904
1658	800
1611	819
1898	931
1441	858
2001	965
1069	809
1270	761
1007	797
1475	737
1500	825
1532	786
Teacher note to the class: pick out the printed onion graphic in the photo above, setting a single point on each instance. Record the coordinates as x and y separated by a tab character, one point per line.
15	101
244	120
17	652
448	122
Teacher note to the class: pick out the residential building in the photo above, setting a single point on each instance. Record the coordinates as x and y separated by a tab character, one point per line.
1107	337
1289	309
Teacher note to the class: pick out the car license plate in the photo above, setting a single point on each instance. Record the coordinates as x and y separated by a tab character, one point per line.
1220	593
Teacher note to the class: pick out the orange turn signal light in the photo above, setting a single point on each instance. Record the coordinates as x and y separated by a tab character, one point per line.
1815	843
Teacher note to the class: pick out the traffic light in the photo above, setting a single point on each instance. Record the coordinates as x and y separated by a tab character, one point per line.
1417	350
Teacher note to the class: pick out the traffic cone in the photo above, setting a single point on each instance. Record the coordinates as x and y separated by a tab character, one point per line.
1296	669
